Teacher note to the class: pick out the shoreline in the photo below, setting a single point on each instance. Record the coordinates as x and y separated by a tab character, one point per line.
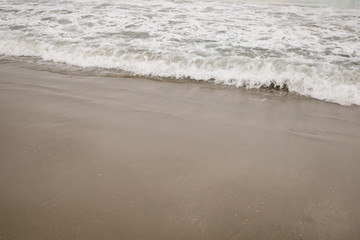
36	63
91	157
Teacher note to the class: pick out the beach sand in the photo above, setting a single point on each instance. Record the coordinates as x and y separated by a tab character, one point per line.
90	157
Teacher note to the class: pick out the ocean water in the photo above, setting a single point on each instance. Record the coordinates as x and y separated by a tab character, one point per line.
311	48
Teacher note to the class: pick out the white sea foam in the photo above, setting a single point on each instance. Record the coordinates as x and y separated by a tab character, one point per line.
314	51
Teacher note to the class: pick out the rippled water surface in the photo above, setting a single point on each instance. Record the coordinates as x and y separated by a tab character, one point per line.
311	47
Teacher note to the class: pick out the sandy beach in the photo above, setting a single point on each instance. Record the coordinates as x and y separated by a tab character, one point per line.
90	157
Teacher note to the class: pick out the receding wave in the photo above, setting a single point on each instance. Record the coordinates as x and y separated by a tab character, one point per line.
309	51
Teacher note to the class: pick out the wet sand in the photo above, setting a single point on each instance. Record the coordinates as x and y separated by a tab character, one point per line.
114	158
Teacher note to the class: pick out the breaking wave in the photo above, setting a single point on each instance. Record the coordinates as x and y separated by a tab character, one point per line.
312	51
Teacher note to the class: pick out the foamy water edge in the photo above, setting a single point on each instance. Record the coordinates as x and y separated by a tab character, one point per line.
305	58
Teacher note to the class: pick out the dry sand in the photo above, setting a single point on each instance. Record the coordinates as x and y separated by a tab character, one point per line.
114	158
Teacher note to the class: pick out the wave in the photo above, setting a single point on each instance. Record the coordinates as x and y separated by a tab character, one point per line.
309	51
324	81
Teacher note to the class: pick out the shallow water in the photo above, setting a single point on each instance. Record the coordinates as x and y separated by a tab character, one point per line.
310	48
